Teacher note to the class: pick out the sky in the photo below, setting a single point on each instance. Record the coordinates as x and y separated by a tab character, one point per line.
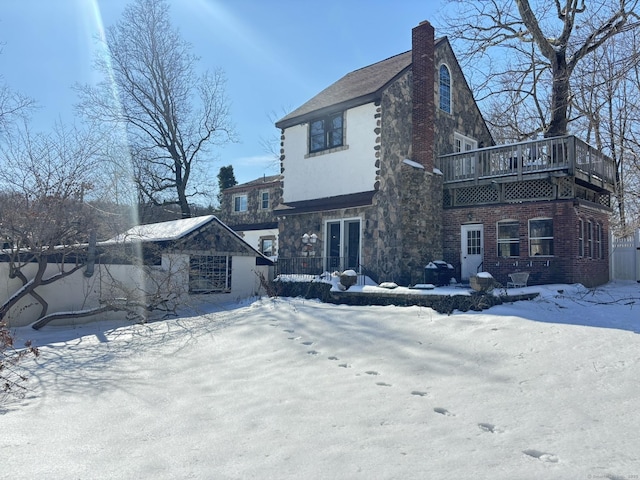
284	388
276	55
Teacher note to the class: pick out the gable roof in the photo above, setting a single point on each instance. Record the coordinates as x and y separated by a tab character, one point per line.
176	230
356	88
161	232
258	182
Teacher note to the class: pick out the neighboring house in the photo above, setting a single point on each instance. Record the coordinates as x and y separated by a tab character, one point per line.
248	209
192	261
393	166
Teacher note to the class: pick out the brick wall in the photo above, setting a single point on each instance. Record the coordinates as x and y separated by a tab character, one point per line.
565	266
423	70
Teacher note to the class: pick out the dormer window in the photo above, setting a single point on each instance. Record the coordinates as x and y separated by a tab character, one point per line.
326	132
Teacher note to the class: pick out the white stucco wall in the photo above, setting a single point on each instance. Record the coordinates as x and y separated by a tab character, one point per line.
252	237
78	292
327	174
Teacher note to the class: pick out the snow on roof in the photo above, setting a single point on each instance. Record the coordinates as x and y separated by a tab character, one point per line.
163	231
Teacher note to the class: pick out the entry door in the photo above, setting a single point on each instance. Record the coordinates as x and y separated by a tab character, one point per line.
343	244
471	249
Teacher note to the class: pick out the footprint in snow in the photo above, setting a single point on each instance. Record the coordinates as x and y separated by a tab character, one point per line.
344	365
443	411
371	372
418	393
542	456
312	352
307	343
383	384
488	427
333	358
288	331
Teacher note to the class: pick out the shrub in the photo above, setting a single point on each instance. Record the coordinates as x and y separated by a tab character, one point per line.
11	376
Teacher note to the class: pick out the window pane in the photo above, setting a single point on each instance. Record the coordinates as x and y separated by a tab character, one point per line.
267	247
327	132
541	237
542	247
445	89
508	230
240	203
317	136
473	242
581	238
541	228
508	239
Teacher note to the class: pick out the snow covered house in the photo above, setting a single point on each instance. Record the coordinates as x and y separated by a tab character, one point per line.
182	262
248	210
393	166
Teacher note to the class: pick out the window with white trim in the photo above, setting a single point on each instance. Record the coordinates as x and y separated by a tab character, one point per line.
508	238
266	246
209	274
589	236
599	250
581	238
462	143
541	237
264	200
240	203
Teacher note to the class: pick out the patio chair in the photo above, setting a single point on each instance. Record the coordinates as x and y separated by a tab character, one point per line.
518	279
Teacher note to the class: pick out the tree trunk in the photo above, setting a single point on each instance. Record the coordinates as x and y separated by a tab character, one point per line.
559	96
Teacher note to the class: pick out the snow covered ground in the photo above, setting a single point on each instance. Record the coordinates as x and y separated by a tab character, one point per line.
292	388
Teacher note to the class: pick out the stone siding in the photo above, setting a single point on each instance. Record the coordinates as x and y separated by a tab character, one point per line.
465	118
254	214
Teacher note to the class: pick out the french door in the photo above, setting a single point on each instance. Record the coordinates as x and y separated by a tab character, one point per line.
343	244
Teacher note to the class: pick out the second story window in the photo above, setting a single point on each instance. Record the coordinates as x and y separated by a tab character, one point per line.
264	200
445	89
326	132
240	203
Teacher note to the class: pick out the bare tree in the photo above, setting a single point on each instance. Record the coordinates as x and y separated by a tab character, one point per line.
606	100
13	105
43	217
152	89
48	227
545	41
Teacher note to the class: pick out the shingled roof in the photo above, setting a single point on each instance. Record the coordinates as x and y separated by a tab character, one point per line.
353	89
258	182
356	88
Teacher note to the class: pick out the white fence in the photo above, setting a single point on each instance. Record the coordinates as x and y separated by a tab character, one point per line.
625	258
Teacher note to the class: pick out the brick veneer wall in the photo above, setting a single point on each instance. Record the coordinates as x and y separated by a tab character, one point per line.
565	266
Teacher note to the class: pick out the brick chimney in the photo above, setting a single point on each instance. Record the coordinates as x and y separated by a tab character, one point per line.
423	116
